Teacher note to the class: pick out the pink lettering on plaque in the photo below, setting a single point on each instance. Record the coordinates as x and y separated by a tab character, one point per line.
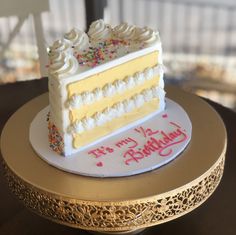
155	141
128	142
146	132
165	115
101	151
161	144
99	164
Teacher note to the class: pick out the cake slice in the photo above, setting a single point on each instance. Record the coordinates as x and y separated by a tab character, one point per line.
102	81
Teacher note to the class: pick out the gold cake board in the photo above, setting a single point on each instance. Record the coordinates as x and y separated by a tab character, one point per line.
117	205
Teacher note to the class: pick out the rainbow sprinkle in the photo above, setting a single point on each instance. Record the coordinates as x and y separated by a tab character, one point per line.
102	52
56	142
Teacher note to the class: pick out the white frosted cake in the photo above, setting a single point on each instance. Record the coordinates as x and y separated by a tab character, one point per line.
102	81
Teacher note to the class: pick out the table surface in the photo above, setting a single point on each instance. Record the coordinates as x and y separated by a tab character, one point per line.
216	216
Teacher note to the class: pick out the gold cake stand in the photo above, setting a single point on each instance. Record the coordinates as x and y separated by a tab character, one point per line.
117	205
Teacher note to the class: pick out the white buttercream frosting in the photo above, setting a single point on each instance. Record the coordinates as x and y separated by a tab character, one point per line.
98	94
160	68
88	123
63	66
120	86
147	94
107	112
147	36
124	31
157	91
109	90
75	101
148	73
61	45
56	56
87	97
130	82
129	105
74	36
118	109
139	78
103	43
112	113
100	118
154	91
76	127
79	39
117	86
138	100
98	30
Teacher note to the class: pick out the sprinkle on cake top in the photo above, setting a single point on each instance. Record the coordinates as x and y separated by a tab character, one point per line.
104	51
78	51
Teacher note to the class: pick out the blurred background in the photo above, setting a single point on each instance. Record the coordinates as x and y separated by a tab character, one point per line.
198	37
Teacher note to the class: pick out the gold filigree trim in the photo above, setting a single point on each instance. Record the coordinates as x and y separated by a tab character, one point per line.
117	216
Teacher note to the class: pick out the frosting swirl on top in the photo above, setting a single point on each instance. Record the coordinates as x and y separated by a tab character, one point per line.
147	36
78	38
124	31
98	30
56	56
61	45
102	44
66	65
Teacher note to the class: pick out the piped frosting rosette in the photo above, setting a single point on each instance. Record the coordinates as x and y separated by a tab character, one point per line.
79	40
124	31
118	41
61	45
62	64
146	36
99	31
117	110
136	35
61	60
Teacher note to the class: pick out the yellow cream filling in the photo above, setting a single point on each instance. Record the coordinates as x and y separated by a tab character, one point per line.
80	140
118	72
89	110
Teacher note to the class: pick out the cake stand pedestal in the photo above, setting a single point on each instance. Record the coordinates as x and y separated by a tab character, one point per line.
117	205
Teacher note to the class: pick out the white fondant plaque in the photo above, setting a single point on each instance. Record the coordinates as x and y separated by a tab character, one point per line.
149	144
